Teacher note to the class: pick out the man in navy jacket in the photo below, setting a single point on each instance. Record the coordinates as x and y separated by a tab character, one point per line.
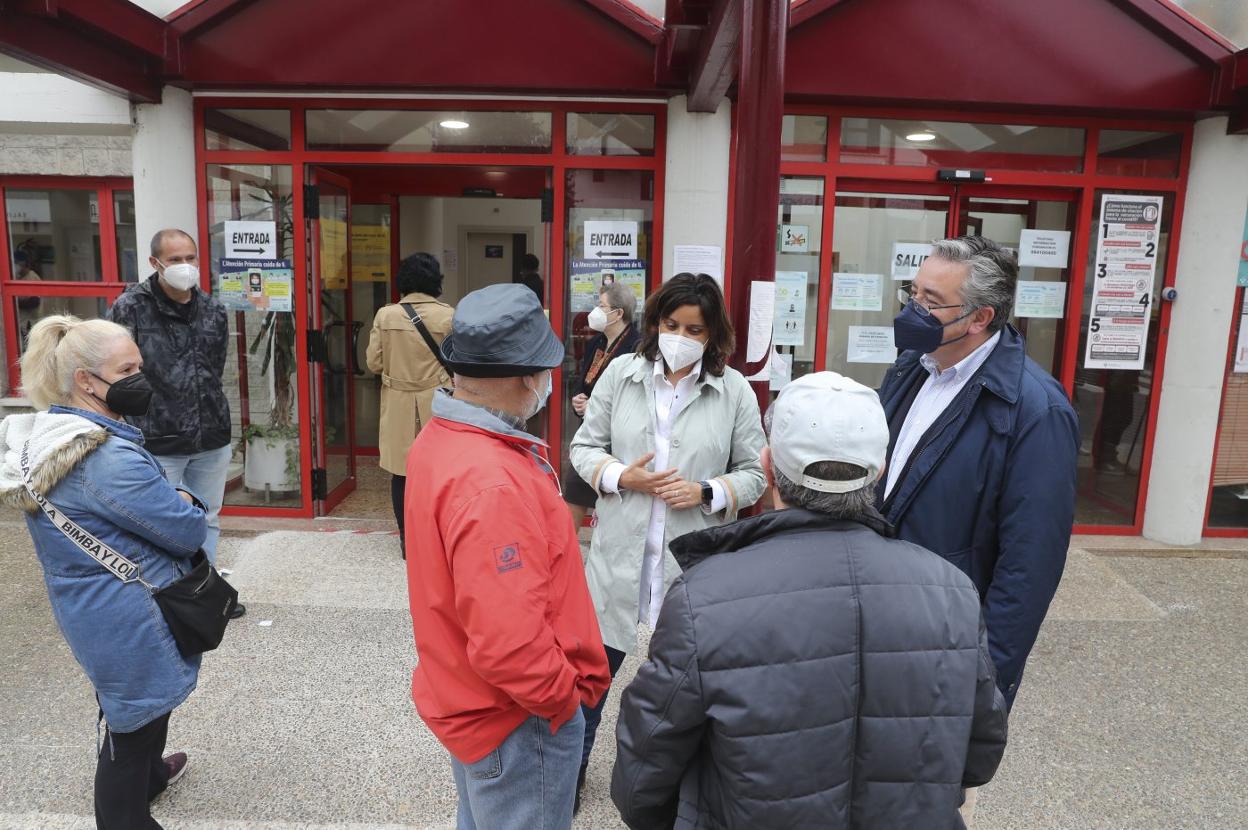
983	444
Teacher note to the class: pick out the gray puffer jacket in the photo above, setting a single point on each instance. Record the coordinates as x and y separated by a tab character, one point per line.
809	672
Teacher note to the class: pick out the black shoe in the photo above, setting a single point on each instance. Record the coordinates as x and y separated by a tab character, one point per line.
238	611
580	785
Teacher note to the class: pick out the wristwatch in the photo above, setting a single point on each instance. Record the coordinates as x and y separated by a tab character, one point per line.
708	493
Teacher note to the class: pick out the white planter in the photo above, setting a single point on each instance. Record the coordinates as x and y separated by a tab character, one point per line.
265	466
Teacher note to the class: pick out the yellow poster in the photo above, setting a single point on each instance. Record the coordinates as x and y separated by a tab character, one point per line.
333	254
370	253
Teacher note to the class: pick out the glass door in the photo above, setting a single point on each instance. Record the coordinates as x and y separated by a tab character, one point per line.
333	371
1003	215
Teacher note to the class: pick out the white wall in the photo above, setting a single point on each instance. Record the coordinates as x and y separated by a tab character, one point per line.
164	168
1213	225
695	209
432	225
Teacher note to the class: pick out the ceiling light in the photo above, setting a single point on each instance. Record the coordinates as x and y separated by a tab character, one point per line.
453	124
923	136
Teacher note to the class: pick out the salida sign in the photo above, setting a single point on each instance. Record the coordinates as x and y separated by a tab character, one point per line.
610	240
251	240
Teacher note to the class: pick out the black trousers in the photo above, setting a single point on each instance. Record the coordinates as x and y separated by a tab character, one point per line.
593	715
129	774
398	486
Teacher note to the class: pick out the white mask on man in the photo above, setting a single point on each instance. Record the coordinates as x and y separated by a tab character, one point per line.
598	319
181	276
680	351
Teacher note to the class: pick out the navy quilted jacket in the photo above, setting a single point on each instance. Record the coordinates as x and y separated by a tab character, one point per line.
808	672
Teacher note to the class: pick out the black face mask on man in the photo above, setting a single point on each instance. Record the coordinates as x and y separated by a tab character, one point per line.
131	395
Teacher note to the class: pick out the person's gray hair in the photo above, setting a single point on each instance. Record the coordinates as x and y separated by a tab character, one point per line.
991	276
158	239
851	506
623	297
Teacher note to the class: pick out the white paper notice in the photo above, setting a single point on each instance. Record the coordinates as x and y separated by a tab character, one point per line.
615	239
251	240
907	257
790	323
871	344
450	261
857	292
1040	299
1044	249
1126	262
1241	342
762	321
781	371
698	259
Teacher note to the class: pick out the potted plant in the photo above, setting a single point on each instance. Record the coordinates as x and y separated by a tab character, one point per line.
271	451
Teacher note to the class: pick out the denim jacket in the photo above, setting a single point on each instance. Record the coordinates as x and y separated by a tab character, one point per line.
96	471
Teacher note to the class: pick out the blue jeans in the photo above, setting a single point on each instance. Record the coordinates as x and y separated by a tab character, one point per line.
527	783
203	474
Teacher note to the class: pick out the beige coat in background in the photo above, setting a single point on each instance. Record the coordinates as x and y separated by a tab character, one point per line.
409	373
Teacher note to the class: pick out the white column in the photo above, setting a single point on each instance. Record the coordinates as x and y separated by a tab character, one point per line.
695	207
164	169
1191	392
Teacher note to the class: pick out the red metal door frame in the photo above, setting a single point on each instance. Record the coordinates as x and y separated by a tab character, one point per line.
108	287
1081	188
557	160
318	177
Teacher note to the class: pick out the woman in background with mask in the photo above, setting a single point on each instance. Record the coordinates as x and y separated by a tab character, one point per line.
612	318
91	467
671	443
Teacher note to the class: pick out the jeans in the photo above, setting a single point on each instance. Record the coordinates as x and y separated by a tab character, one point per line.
202	473
131	772
593	714
527	783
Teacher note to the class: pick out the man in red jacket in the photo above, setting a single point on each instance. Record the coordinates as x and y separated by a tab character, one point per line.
505	629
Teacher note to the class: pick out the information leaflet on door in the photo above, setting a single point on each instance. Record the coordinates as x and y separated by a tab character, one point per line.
1126	263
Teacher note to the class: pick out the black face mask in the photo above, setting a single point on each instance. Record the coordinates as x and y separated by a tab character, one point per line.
129	396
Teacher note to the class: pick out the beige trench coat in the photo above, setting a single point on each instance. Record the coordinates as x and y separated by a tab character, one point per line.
409	373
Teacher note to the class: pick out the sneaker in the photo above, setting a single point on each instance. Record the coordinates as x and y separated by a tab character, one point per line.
239	610
175	763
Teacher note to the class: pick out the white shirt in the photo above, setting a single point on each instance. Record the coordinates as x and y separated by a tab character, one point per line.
933	399
669	400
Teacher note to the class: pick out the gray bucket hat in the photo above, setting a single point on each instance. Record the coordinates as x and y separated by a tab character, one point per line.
501	331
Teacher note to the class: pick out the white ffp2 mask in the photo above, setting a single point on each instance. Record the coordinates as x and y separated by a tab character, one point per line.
182	276
680	351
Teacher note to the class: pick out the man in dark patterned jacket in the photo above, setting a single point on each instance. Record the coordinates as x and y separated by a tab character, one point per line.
182	333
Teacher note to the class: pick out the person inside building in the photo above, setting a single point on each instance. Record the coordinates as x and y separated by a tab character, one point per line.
183	334
409	367
836	677
504	625
671	443
617	337
531	275
84	377
984	444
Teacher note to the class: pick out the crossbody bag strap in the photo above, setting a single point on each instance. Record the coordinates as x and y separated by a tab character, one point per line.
116	564
414	316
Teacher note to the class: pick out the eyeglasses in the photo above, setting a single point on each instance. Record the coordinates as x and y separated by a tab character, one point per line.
905	297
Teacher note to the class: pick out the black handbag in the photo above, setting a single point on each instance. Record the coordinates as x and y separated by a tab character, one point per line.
196	607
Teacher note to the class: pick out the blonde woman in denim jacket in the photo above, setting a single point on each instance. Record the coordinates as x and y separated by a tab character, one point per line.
83	377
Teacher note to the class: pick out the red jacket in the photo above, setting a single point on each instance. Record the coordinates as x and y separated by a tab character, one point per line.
504	624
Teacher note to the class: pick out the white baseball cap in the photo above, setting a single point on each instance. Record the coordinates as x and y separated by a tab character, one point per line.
828	417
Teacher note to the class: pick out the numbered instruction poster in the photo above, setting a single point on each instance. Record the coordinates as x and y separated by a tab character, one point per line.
590	276
255	284
790	321
1126	262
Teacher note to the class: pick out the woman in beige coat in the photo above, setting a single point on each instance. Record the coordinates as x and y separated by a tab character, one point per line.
409	371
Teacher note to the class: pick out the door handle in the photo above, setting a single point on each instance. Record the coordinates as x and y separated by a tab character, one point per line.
356	326
329	363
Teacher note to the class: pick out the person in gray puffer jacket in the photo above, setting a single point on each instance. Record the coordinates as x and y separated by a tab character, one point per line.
807	670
